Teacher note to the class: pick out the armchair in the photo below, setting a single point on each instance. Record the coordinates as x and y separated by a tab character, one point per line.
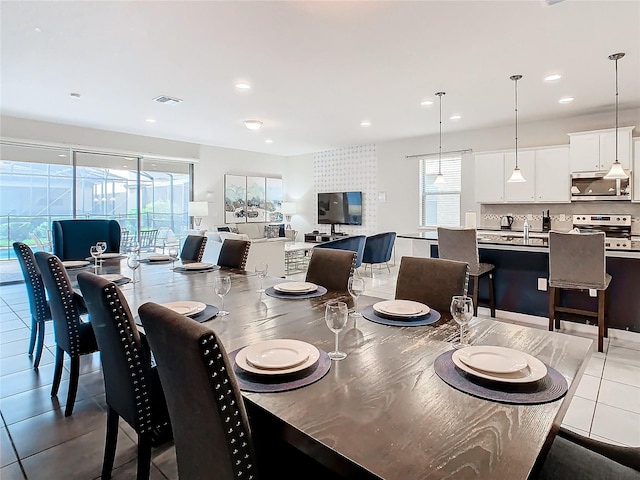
353	244
72	239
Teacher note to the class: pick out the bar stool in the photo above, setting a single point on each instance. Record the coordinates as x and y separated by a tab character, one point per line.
462	245
577	262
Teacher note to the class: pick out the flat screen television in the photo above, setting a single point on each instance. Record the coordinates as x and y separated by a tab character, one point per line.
340	208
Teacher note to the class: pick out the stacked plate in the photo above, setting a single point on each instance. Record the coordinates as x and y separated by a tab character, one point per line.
107	256
500	364
401	309
196	266
75	263
277	357
295	288
186	308
159	258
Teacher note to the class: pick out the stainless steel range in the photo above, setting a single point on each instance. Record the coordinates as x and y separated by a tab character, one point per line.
617	228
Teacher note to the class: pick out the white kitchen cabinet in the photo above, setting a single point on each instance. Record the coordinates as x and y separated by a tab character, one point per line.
635	173
525	191
489	177
553	178
595	150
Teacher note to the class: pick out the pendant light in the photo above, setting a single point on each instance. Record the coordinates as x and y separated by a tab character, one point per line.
440	178
616	171
516	176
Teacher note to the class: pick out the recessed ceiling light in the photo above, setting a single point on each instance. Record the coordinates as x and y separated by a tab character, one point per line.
426	103
268	140
75	96
565	100
455	117
552	78
61	155
243	86
253	124
37	29
125	166
154	165
167	100
150	120
365	124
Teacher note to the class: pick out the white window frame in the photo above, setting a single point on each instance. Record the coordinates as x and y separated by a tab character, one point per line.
447	215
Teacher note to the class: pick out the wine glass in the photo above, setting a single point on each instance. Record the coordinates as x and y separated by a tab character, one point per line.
261	271
102	247
356	288
173	255
462	312
222	285
336	314
95	253
133	262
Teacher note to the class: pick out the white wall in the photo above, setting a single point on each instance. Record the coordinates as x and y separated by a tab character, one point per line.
299	188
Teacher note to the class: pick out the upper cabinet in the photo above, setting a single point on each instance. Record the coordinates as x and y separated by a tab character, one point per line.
553	179
490	177
524	191
596	150
635	174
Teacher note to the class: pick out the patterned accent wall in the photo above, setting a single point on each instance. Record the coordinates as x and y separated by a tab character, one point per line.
349	169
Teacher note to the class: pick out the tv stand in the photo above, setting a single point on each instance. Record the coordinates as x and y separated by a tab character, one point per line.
322	237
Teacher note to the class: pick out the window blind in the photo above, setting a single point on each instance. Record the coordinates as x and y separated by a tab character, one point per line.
440	204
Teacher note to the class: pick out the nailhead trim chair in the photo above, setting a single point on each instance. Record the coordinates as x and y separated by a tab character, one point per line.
193	248
234	253
40	312
72	334
211	429
578	262
353	243
432	281
331	268
132	385
462	245
378	249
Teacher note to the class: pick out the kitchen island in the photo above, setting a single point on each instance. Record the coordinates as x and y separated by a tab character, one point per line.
522	268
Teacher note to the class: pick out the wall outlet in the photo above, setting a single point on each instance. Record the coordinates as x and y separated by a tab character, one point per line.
593	292
562	217
542	284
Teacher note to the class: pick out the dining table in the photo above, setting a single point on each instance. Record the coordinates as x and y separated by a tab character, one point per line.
382	412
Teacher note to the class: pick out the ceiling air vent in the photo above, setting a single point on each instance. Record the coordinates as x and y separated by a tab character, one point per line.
164	99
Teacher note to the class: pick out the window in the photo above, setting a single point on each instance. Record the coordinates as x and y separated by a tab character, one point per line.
440	204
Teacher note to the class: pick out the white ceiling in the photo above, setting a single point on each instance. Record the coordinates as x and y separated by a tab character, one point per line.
317	68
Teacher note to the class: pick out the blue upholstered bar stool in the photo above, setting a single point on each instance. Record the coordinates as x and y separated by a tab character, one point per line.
577	262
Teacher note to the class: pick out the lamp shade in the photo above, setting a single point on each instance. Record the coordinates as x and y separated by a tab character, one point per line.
288	208
198	209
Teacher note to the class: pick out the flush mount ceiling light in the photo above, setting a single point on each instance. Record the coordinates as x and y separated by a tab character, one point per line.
426	103
243	86
253	124
167	100
440	178
566	100
552	77
455	117
365	124
516	176
616	171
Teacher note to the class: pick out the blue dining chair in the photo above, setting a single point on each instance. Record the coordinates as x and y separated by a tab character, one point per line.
72	239
353	243
378	249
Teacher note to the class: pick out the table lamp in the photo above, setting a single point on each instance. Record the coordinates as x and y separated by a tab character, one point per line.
288	209
197	210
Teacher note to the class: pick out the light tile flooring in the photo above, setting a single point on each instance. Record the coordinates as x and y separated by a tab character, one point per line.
38	442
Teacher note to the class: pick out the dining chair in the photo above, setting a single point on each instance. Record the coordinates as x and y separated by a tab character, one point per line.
462	245
73	335
575	456
234	253
578	262
331	268
210	425
193	248
132	386
378	249
148	239
38	305
72	239
432	281
353	243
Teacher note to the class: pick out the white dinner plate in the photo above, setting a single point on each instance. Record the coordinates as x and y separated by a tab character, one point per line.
401	308
112	277
277	354
159	258
197	266
75	263
493	359
187	308
110	255
241	361
296	287
534	371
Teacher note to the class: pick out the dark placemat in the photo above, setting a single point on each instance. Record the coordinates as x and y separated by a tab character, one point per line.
191	271
250	382
207	314
370	314
548	389
120	281
146	260
274	293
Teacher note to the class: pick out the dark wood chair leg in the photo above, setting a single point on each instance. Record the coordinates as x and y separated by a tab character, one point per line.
556	301
34	333
144	456
475	294
39	345
73	385
492	298
601	326
57	372
110	444
552	307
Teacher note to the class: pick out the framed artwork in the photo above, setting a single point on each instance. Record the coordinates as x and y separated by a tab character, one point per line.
256	198
235	199
273	205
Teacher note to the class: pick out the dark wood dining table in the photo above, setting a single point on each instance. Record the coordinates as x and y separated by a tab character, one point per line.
382	412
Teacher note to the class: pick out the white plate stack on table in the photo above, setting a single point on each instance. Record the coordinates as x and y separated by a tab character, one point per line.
277	357
295	288
70	264
158	258
186	308
195	266
401	308
499	364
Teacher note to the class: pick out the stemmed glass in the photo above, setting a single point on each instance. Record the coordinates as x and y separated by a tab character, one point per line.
102	247
173	255
462	312
133	262
95	253
222	285
356	288
261	272
336	314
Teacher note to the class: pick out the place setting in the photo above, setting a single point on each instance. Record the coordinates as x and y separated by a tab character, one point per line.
156	258
75	264
196	267
115	278
401	313
296	290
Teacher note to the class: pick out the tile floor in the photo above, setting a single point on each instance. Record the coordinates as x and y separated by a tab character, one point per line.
38	442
